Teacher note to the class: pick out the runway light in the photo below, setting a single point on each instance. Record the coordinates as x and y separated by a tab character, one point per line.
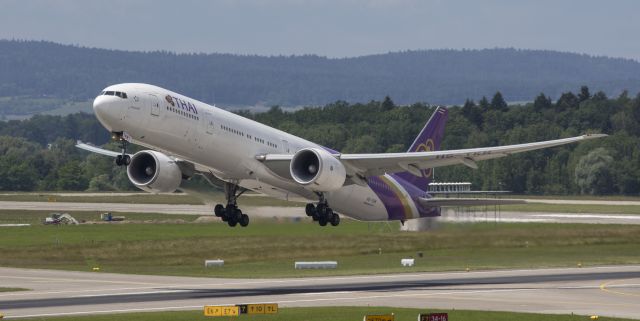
96	269
579	264
468	269
594	317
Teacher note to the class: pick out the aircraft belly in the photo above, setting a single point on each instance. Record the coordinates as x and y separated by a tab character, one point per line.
358	202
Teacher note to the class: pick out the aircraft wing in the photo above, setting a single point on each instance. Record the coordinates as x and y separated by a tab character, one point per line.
455	202
367	165
377	164
97	150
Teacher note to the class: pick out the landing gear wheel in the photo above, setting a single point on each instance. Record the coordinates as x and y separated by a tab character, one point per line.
218	210
310	209
244	220
232	221
119	160
334	219
322	221
126	160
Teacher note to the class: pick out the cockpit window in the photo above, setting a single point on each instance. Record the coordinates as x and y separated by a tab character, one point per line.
120	94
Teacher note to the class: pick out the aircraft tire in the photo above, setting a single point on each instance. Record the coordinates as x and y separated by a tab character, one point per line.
218	210
310	209
335	219
232	222
322	221
244	220
118	160
126	160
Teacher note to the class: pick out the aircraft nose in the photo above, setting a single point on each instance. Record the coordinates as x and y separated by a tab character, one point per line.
107	111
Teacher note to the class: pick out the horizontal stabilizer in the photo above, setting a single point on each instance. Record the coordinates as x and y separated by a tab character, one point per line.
453	202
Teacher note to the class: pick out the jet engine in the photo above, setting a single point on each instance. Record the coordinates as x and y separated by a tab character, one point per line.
154	172
318	169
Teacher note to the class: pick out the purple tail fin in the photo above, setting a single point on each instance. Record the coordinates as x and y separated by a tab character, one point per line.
428	140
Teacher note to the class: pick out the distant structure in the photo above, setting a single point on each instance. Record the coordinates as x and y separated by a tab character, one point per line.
439	188
458	213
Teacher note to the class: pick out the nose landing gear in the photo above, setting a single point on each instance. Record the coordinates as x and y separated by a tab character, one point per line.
124	159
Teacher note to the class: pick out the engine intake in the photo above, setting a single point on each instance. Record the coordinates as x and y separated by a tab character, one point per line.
154	172
318	169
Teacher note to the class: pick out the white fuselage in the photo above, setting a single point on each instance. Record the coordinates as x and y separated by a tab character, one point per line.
220	142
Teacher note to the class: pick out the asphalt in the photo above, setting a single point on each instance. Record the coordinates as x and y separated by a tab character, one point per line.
604	291
292	212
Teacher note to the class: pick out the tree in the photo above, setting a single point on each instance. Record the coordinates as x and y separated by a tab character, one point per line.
362	144
542	102
484	103
584	94
498	103
567	101
387	104
593	172
472	113
599	96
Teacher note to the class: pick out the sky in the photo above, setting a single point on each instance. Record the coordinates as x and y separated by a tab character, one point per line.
340	28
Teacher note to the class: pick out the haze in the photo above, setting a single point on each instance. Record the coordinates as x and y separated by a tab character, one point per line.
327	28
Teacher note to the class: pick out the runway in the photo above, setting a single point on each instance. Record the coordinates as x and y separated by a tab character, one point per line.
605	291
292	212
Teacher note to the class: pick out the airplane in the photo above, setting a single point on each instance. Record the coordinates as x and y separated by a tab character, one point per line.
185	137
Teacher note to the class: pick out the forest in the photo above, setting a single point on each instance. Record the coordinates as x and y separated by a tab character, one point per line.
36	75
38	154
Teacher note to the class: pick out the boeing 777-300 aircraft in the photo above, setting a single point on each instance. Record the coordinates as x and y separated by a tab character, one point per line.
186	137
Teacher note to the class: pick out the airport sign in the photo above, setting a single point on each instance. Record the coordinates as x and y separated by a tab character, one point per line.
267	308
433	317
379	317
221	311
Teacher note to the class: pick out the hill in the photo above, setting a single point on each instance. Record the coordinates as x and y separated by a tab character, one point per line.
35	70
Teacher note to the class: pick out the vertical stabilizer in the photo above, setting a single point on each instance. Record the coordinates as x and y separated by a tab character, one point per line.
429	139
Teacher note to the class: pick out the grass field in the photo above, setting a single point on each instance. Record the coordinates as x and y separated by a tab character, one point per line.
268	248
333	314
12	289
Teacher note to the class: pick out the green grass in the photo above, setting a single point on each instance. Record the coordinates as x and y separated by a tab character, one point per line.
572	208
12	289
333	314
268	248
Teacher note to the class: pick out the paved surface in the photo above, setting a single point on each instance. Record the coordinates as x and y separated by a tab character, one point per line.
610	291
541	217
269	211
275	211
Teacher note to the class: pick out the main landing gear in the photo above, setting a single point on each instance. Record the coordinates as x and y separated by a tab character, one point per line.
123	159
322	213
231	213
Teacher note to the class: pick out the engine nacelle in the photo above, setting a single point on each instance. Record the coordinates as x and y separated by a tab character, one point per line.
318	169
154	172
